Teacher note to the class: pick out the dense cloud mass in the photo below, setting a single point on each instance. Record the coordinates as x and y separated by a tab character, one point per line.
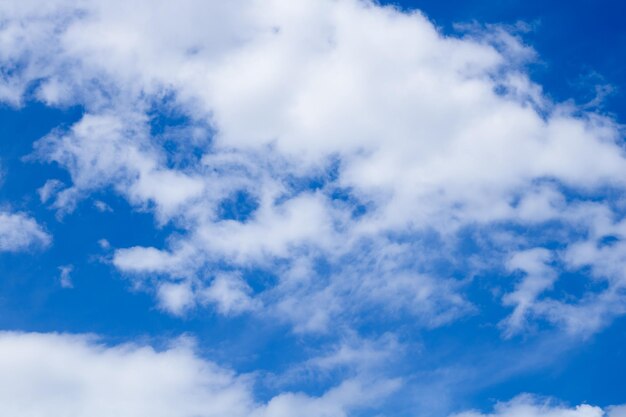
362	132
349	151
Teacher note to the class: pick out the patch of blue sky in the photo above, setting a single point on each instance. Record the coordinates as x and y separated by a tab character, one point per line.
239	206
184	139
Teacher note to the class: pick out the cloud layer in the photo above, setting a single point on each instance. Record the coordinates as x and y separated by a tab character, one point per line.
78	375
364	143
338	168
55	374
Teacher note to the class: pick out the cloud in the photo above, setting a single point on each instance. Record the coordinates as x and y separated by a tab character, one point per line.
102	206
539	277
617	411
19	232
50	188
368	143
74	375
65	278
354	354
114	151
230	293
531	406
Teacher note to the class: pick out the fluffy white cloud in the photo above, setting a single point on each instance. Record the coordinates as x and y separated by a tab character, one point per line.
175	297
406	132
230	293
530	406
114	150
20	232
50	374
73	376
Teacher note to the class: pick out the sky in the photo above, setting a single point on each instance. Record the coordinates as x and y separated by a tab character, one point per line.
327	208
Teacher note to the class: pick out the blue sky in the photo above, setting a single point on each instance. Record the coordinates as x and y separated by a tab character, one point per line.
312	208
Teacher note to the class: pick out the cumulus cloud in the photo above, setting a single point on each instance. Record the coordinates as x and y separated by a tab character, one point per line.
56	374
107	150
230	293
531	406
19	232
362	139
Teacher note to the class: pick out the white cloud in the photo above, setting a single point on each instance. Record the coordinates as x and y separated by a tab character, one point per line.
334	402
102	206
617	411
114	151
49	189
530	406
75	376
427	133
358	355
230	294
538	277
20	232
176	297
598	254
104	244
65	278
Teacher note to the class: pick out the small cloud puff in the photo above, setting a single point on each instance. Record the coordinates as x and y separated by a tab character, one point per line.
65	278
19	232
